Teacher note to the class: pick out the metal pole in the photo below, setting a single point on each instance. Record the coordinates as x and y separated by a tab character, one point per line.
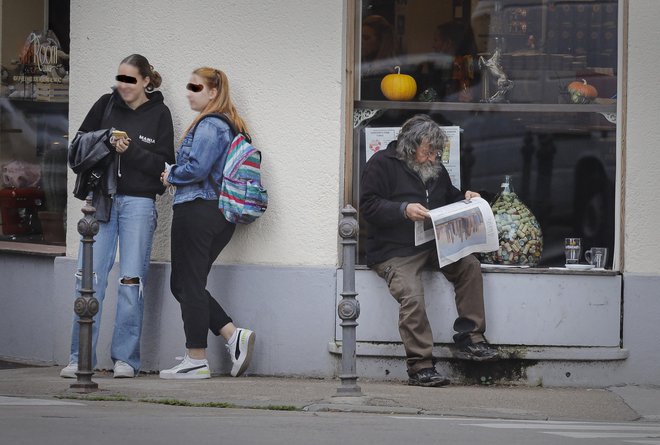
348	308
86	306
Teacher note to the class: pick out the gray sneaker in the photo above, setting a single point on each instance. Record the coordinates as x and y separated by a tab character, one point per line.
69	371
241	351
428	377
187	370
478	352
123	370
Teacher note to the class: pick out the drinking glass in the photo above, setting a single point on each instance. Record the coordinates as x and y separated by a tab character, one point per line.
572	250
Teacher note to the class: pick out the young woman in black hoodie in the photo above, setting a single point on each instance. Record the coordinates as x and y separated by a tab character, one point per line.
130	220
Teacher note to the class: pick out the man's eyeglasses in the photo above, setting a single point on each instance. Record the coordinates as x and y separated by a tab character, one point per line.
126	79
194	87
430	153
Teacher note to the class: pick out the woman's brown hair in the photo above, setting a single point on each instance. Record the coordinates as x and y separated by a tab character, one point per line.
145	69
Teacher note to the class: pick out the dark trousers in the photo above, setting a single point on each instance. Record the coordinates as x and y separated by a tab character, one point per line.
404	279
199	233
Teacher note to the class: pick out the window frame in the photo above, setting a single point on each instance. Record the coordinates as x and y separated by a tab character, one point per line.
615	112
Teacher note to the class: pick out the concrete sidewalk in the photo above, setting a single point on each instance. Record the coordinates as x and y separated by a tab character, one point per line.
510	402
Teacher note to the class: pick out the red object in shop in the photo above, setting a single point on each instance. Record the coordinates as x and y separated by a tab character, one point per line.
18	208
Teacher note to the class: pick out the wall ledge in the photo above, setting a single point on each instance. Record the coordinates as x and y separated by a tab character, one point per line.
509	352
32	249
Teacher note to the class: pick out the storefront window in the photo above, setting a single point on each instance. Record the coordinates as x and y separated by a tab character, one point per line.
531	86
34	98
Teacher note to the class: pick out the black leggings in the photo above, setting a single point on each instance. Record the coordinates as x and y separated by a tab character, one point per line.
199	233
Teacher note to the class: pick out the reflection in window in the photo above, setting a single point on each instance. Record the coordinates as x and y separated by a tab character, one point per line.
34	99
531	83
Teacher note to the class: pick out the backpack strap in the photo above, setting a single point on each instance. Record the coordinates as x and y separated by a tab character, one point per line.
225	118
232	127
229	123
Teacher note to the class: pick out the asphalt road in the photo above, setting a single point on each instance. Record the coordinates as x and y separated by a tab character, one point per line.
72	422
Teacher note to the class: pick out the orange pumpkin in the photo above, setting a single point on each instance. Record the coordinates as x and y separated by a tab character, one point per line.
582	92
398	86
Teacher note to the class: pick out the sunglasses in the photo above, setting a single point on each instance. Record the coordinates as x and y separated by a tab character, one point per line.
194	87
126	79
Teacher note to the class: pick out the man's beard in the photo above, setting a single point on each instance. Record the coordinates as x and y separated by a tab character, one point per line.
427	171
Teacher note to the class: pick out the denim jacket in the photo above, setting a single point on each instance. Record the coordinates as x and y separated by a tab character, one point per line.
199	160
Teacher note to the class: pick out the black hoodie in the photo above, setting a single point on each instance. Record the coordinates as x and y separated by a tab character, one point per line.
386	187
152	141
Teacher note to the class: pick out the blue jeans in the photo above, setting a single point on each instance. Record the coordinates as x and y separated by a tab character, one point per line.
132	224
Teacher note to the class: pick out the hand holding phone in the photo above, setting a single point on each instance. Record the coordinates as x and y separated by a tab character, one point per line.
118	134
119	140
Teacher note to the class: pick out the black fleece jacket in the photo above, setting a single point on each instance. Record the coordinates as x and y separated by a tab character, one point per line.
386	187
152	141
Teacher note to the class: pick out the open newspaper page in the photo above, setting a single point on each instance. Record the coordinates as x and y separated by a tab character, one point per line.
459	229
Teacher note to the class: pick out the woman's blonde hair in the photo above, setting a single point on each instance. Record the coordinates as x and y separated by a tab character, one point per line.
222	103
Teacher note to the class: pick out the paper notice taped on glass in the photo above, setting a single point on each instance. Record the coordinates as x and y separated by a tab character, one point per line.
459	229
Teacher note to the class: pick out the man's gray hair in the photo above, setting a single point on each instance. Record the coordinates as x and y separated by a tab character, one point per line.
416	130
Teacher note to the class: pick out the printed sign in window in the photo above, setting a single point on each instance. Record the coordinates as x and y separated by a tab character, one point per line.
377	139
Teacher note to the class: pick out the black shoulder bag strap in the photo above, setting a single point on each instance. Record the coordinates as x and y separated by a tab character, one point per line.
107	110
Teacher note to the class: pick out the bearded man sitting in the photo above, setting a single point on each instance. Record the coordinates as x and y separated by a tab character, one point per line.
398	187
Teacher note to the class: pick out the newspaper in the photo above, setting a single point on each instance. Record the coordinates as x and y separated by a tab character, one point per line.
459	229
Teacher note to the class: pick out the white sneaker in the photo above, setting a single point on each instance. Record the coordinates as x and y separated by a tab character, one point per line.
187	370
123	370
69	371
241	351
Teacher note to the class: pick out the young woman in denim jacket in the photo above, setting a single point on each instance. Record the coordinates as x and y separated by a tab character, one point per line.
128	220
199	230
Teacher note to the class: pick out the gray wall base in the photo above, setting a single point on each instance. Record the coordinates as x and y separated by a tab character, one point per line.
293	311
558	330
528	365
534	309
552	373
287	307
26	308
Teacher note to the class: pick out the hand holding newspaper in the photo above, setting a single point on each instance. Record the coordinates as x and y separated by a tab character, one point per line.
459	229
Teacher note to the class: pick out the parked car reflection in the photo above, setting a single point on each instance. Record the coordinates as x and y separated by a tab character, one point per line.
563	168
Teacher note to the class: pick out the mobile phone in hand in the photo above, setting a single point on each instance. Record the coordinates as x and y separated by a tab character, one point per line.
118	134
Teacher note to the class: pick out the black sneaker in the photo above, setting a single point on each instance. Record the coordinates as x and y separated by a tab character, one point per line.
478	352
427	377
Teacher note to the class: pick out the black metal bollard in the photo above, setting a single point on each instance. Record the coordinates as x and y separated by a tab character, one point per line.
86	306
348	308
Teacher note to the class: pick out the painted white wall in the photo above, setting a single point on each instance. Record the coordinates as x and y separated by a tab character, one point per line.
642	200
288	84
284	60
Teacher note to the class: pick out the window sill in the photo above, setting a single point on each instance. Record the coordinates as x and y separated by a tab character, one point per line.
510	352
487	268
477	106
32	249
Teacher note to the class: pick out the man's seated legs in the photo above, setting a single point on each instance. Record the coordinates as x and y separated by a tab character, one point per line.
403	277
465	275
